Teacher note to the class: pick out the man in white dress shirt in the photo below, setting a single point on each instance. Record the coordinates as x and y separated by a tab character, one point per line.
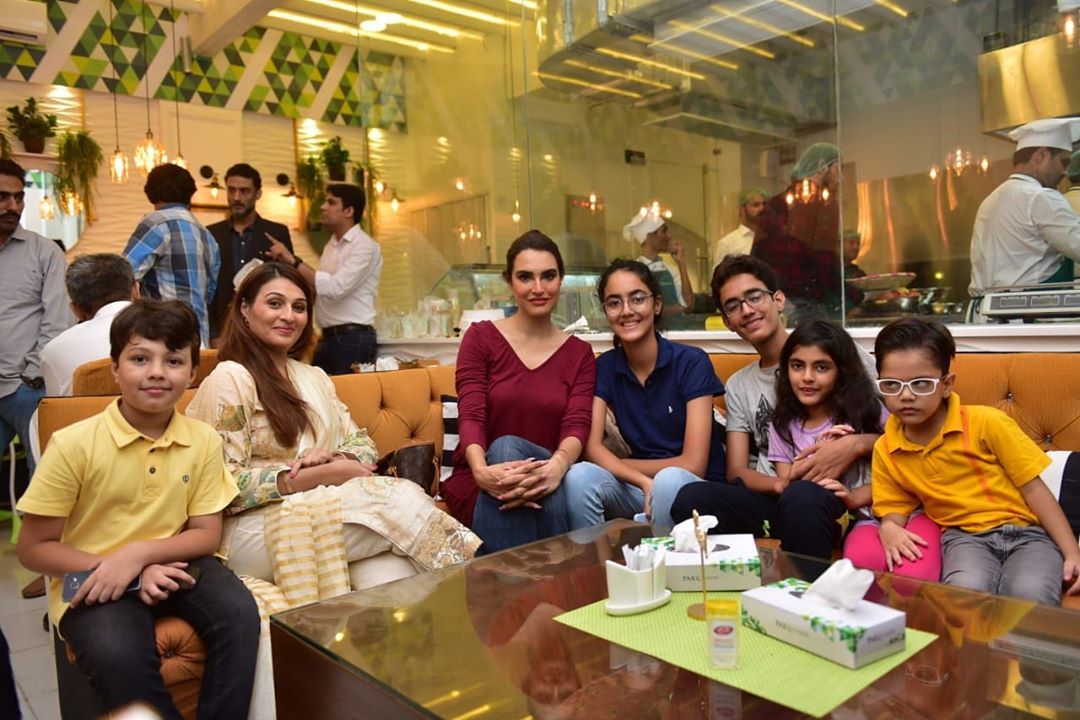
346	283
1026	233
741	239
99	286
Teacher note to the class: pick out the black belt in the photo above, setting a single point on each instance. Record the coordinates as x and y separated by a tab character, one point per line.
347	327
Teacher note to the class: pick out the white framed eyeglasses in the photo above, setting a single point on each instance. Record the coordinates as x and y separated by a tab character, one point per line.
917	386
614	304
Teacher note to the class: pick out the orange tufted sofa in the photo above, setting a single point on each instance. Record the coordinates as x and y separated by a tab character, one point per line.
1038	390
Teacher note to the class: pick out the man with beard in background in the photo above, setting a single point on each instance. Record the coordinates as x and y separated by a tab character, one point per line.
241	238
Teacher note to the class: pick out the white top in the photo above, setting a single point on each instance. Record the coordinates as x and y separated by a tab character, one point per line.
1021	232
347	281
737	242
75	346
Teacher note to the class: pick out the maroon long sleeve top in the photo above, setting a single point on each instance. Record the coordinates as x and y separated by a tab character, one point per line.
498	395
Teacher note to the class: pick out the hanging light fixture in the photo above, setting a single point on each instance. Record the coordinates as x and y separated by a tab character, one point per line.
47	208
118	163
179	160
395	203
148	153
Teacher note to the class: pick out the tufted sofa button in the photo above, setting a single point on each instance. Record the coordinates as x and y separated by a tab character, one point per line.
1048	438
168	653
1009	396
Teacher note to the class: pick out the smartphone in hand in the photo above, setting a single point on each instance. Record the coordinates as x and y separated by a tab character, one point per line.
74	580
194	572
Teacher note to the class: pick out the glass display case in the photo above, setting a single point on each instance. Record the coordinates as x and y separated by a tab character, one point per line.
484	283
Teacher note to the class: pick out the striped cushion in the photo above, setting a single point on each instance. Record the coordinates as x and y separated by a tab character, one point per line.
450	434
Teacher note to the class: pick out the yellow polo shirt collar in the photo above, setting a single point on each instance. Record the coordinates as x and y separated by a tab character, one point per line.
123	434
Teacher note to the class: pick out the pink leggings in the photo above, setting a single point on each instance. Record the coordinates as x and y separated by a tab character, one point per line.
863	548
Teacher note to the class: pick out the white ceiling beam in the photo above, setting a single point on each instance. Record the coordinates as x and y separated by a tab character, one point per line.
223	21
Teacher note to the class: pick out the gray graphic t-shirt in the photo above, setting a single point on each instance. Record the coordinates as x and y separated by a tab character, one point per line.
750	399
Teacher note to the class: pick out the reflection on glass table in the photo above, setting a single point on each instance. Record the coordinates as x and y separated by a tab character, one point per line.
480	641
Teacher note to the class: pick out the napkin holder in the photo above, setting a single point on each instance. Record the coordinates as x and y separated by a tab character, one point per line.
636	591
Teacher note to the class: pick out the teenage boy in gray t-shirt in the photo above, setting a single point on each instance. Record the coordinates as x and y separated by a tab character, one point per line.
804	515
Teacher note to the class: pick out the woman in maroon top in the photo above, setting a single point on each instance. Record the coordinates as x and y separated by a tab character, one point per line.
524	403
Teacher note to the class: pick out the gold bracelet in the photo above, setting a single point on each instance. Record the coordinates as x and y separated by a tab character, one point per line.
288	485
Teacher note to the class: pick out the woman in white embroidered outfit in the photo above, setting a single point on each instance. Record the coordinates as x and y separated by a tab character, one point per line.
310	517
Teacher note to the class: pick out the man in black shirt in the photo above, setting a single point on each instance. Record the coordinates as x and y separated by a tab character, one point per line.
241	238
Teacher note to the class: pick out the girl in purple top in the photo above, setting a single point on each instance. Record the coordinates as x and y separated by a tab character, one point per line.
823	393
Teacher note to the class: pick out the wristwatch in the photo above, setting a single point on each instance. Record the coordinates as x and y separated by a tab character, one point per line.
297	262
33	382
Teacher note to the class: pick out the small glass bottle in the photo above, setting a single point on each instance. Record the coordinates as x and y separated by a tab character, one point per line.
722	620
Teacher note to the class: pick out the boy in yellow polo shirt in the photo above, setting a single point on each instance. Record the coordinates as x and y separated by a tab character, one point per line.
973	470
135	494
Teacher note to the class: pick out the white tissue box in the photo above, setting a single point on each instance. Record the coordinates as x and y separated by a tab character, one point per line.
731	564
852	638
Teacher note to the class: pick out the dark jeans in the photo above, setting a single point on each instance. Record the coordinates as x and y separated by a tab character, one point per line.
337	353
16	410
803	517
502	529
114	644
9	698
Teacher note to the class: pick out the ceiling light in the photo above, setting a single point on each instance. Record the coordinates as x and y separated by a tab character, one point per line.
591	86
651	63
617	74
372	26
668	45
823	17
888	5
723	39
468	12
725	13
336	27
395	18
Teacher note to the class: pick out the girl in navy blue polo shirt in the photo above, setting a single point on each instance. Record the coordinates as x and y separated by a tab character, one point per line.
661	394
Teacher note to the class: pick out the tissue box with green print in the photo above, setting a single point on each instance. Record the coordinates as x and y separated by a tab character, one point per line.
852	638
732	563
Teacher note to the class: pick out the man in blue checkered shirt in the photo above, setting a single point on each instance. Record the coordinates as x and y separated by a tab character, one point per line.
171	253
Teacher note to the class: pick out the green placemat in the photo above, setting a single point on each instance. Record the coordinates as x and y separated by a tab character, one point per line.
768	668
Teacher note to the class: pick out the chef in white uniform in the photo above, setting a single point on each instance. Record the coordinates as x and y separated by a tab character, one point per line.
1026	233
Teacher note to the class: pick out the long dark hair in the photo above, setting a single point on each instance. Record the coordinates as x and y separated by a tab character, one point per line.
854	400
286	410
532	240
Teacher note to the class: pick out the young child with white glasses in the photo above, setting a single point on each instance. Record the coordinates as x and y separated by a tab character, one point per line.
973	470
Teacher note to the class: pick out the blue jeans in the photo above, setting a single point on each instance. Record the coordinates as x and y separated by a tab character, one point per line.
1010	560
336	353
114	644
502	529
15	412
595	495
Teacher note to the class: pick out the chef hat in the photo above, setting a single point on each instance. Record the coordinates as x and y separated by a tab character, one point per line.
816	158
1074	165
641	225
1059	133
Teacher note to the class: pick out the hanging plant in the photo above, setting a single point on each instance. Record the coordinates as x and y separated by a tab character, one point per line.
335	157
310	185
78	159
31	126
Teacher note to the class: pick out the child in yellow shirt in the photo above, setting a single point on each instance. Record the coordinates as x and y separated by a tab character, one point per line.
135	494
974	471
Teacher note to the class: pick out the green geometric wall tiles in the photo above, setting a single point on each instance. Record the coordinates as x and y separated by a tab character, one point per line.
83	51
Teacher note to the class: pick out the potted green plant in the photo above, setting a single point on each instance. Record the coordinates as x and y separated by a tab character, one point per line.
5	145
309	183
78	158
334	158
31	126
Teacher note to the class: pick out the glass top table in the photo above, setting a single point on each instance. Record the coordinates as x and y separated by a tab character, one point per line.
479	641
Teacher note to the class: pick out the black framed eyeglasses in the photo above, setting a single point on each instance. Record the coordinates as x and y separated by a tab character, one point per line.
753	299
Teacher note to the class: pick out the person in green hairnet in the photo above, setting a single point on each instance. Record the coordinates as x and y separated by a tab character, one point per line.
741	239
1073	171
798	234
